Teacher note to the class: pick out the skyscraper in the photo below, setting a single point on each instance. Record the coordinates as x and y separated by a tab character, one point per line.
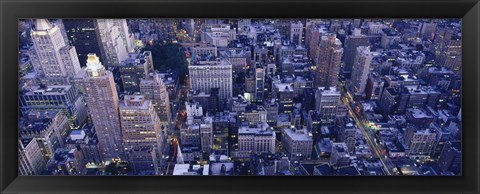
30	158
351	43
48	128
259	84
102	100
361	68
296	31
420	142
64	98
206	135
216	74
81	33
142	135
153	88
53	59
112	41
328	61
134	68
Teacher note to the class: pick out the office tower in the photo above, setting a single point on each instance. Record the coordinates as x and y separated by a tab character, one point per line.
222	123
111	36
30	158
213	104
389	37
259	84
298	143
451	157
339	156
347	135
85	140
49	128
153	88
327	102
102	100
428	29
328	61
390	100
81	33
361	68
351	43
190	27
142	135
134	68
52	58
64	98
206	135
255	139
284	93
314	34
271	106
217	74
193	109
420	142
66	162
451	55
296	32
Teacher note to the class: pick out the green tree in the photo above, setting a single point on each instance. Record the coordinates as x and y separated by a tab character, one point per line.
169	56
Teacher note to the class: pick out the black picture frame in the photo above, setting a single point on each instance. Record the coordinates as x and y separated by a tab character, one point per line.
12	10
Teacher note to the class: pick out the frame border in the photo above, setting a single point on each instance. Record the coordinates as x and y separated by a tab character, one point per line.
12	10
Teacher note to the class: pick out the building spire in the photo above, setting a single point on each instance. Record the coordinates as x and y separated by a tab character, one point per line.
42	24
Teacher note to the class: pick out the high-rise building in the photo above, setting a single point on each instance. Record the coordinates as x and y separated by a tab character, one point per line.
206	135
30	158
111	36
421	142
153	88
259	84
298	143
296	32
53	59
327	102
102	100
284	93
64	98
81	33
49	129
451	157
255	139
217	74
347	135
328	61
451	55
134	68
142	134
361	68
374	87
351	43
